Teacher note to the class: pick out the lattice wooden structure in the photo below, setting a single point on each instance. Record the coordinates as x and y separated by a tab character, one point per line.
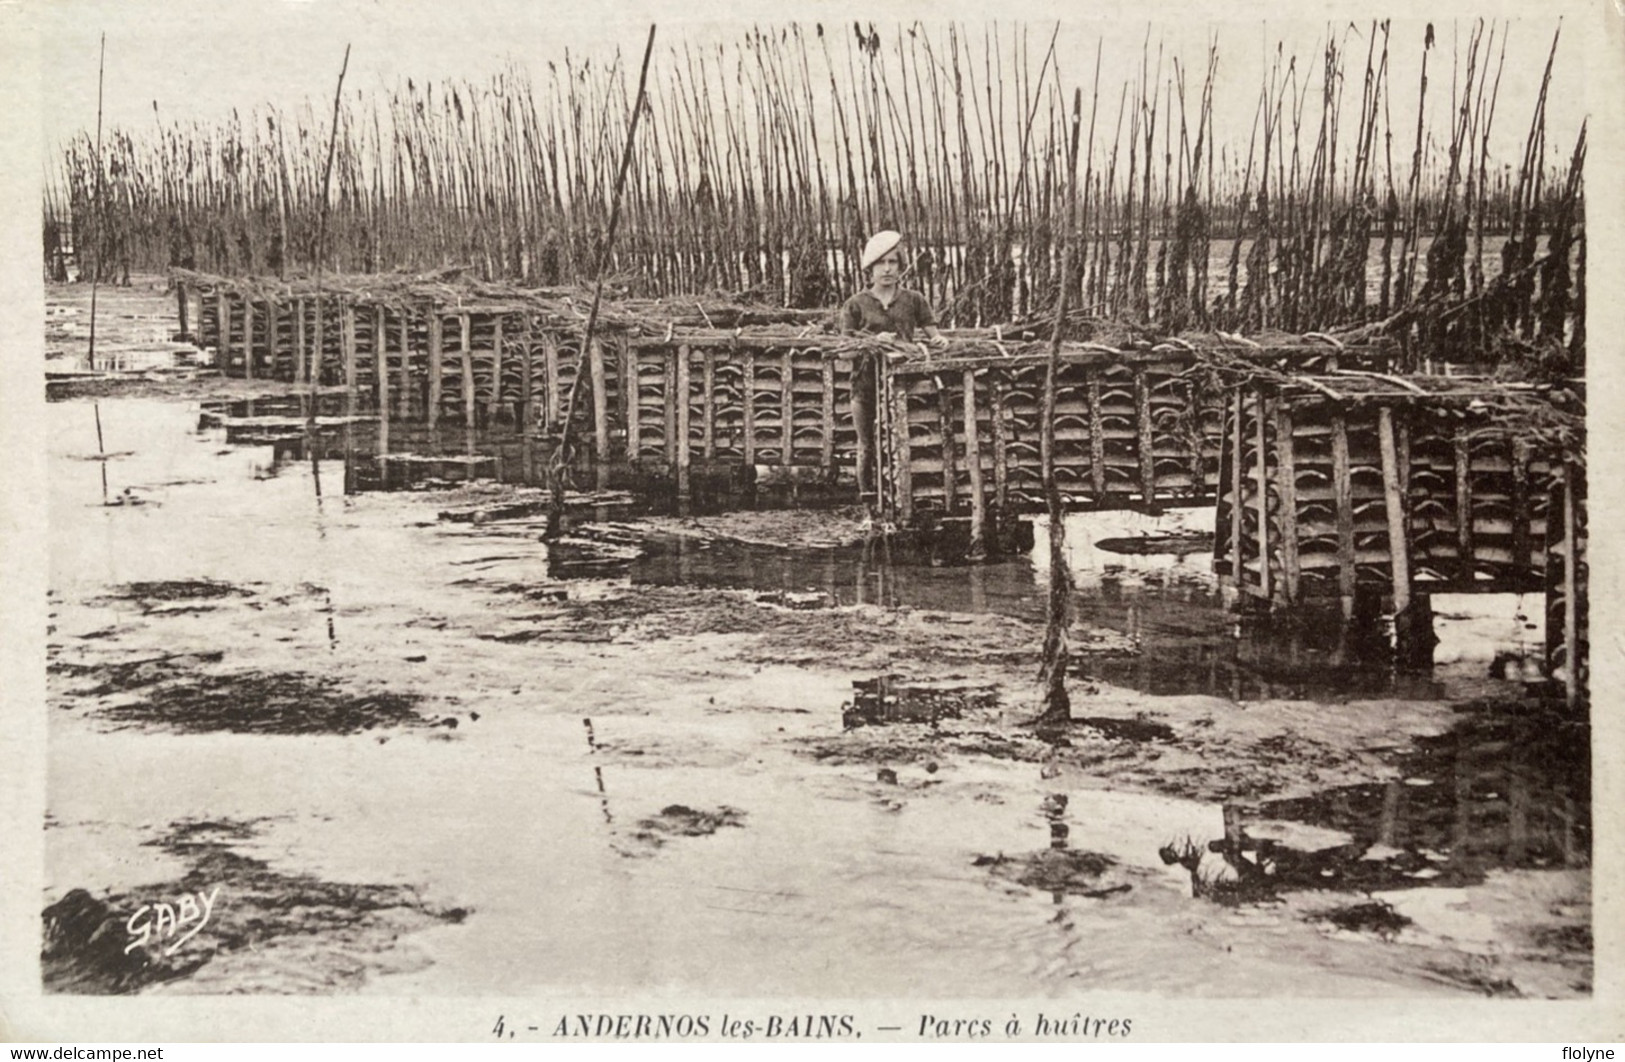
1134	428
1340	485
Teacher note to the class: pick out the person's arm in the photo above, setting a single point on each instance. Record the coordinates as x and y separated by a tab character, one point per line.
927	323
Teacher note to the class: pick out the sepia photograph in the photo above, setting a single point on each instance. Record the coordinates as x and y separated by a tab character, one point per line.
747	525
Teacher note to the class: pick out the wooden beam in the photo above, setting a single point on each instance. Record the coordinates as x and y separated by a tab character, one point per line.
1520	507
248	338
826	453
787	403
682	369
903	448
1571	589
708	429
1393	490
301	363
631	397
1001	450
950	457
1261	417
437	347
1347	574
600	403
1238	489
668	374
1144	441
465	331
1464	504
973	462
747	395
403	383
347	345
494	403
1286	478
1097	439
380	348
550	364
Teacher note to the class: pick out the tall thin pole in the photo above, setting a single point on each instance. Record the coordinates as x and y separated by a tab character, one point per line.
559	462
321	251
95	277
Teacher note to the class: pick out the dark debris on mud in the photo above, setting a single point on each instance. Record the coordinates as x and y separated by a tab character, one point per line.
679	820
1373	916
150	594
171	693
258	914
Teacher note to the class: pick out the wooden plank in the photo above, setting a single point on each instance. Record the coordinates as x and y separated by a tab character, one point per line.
826	453
950	458
903	448
301	363
437	345
1143	439
1393	492
682	419
1286	479
1238	486
403	382
1571	588
1097	440
1464	504
527	386
347	345
1001	450
631	391
248	339
465	358
600	403
1346	574
1520	508
709	413
550	364
787	406
973	462
1265	574
380	348
222	313
319	346
494	403
747	395
668	374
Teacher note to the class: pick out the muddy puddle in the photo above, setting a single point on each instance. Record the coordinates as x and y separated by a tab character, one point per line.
804	752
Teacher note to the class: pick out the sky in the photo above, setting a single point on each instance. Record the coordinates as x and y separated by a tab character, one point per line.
200	60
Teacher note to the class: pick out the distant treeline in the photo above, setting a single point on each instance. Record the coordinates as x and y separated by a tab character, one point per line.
763	165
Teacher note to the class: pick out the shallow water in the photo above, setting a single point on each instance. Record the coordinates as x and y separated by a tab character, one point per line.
836	880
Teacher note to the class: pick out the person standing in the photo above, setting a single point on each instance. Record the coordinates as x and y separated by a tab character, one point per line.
886	310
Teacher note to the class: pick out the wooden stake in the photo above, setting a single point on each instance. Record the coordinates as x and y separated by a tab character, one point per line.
787	402
1571	589
682	420
403	385
1347	573
248	338
903	446
1144	441
668	373
709	426
1464	507
1394	502
1097	440
950	457
550	366
437	346
826	453
347	343
1265	575
747	392
301	362
494	403
465	356
1001	452
1286	475
973	462
600	404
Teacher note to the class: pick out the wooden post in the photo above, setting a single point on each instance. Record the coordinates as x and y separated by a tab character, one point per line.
301	364
318	347
1238	488
600	403
1286	477
1520	509
668	374
973	462
550	366
437	344
1001	452
950	459
222	314
1464	507
787	402
682	420
181	300
1097	439
465	331
747	394
527	387
494	403
403	384
1266	578
709	426
826	452
1571	588
380	348
632	397
1347	574
347	340
1145	442
248	337
903	447
1393	491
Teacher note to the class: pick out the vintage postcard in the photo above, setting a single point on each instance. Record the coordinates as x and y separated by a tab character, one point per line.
703	523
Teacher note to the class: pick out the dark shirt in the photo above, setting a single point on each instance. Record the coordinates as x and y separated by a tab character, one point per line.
907	312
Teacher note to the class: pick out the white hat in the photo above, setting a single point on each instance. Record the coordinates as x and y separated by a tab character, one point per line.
879	246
